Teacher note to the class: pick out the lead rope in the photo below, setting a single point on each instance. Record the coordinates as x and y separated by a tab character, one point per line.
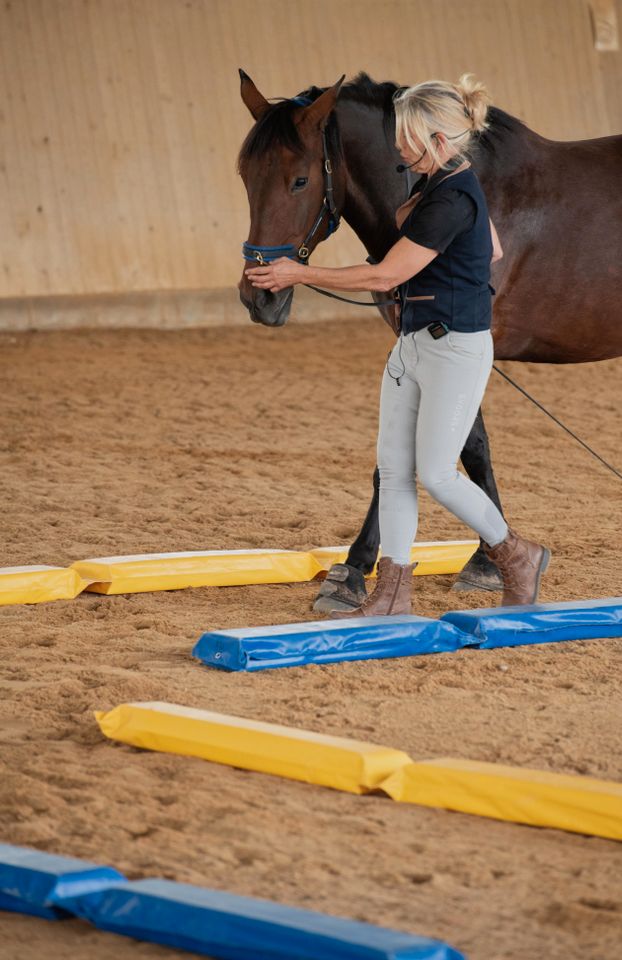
357	303
558	422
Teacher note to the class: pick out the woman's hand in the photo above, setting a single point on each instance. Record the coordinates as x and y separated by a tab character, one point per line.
277	275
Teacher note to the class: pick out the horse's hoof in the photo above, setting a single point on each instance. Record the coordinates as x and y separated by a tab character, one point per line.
480	573
343	589
328	605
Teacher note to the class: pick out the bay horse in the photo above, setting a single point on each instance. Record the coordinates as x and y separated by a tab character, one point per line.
557	207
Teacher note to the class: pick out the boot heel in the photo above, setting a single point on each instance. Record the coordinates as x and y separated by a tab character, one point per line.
546	559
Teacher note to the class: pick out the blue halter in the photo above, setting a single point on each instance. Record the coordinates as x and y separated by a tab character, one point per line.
265	255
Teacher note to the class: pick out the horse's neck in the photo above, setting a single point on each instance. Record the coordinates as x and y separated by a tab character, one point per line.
373	190
373	222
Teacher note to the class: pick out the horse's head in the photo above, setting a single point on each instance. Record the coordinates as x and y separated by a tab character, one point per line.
290	188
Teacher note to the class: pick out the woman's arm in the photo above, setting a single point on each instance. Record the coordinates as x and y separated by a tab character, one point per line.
403	261
497	251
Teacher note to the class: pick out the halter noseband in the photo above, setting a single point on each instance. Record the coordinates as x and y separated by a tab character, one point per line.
265	255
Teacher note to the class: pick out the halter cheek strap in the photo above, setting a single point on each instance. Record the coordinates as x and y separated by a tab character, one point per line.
265	255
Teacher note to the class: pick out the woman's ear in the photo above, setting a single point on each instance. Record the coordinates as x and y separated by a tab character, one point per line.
442	144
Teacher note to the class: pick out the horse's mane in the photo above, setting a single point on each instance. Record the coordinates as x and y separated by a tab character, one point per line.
365	90
276	126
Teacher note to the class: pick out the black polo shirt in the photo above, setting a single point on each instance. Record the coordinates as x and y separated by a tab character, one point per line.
436	221
454	287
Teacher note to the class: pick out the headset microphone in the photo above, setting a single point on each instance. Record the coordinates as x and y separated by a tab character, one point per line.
403	167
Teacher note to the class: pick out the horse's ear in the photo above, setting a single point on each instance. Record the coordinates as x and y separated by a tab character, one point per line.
254	100
317	113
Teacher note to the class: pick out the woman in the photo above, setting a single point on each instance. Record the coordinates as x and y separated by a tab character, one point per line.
436	375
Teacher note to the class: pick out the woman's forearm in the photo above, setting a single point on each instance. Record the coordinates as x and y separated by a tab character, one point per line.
285	272
363	276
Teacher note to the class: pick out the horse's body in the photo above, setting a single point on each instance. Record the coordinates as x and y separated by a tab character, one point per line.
557	208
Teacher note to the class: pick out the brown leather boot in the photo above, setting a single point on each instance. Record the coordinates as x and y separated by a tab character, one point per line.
521	564
391	595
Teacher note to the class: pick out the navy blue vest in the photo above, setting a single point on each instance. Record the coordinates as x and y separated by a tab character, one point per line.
454	288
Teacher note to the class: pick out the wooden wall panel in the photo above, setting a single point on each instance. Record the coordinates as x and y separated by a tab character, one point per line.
120	120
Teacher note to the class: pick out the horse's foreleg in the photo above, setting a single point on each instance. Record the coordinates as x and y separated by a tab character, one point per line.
480	573
364	551
344	586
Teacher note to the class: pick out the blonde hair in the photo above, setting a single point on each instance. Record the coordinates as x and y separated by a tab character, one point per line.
458	110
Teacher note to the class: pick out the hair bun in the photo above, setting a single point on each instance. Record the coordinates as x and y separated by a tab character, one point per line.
476	99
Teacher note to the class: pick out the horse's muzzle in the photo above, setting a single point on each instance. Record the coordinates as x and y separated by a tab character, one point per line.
270	309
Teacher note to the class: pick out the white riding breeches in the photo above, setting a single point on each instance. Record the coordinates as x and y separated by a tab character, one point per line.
431	392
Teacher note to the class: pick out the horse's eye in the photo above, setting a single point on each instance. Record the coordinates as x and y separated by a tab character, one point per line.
300	182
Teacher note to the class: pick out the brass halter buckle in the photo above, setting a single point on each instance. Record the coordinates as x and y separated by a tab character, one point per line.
303	253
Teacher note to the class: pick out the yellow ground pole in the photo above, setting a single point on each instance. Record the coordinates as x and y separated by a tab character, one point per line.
211	568
535	797
207	568
215	568
38	584
350	765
